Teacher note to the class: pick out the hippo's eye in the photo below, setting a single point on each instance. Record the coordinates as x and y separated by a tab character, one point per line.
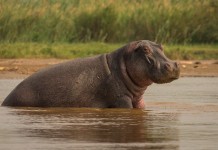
149	60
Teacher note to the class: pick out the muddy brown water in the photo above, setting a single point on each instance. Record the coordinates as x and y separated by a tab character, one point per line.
181	115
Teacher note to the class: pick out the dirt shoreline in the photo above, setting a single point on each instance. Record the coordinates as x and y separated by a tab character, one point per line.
22	68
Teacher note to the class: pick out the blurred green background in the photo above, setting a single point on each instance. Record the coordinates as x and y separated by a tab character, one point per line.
35	28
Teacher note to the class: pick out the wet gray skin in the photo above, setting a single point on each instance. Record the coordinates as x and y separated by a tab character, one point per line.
114	80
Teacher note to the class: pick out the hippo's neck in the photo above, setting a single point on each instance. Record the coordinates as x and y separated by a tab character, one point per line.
118	66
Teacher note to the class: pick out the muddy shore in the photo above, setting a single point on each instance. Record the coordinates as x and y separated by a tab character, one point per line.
21	68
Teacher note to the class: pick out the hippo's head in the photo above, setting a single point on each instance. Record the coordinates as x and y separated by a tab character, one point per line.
145	61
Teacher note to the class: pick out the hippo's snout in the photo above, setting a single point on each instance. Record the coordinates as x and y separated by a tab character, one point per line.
168	72
171	67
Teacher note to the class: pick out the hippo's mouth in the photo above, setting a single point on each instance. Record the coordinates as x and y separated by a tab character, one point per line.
174	78
162	79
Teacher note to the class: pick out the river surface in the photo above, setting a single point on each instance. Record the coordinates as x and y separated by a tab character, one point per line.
182	115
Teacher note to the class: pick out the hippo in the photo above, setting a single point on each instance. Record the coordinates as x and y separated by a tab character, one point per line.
113	80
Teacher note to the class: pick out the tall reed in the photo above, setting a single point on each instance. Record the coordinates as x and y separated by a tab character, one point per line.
166	21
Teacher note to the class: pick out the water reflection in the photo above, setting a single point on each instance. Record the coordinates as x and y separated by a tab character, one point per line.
124	128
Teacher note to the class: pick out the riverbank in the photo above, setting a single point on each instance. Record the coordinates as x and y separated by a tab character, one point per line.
22	68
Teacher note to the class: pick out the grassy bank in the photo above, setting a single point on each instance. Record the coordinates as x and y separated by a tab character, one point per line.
66	50
70	21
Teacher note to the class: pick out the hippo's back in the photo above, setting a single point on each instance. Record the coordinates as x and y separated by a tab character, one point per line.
72	84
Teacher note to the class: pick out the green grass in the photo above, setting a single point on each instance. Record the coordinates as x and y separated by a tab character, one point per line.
55	50
67	51
70	21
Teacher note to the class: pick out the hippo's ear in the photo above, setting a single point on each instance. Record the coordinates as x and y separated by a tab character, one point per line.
161	47
146	49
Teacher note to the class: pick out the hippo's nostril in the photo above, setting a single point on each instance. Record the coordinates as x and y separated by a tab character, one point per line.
168	67
176	64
